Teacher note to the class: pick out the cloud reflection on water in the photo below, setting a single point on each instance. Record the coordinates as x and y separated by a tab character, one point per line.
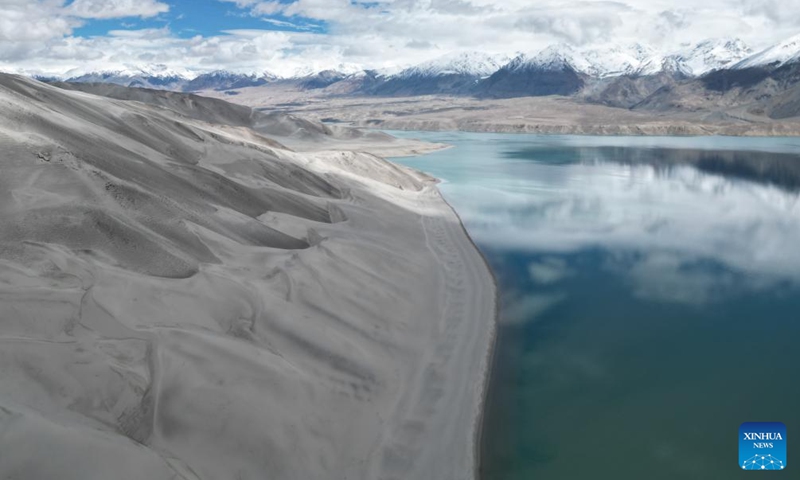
646	203
639	286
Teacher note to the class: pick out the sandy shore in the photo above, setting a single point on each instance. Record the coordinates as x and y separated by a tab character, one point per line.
183	299
489	364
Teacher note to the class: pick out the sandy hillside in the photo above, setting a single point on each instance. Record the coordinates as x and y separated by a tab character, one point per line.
182	299
294	131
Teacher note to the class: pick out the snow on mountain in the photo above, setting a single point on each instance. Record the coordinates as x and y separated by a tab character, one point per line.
475	64
314	69
161	77
610	61
712	55
348	69
600	62
662	63
385	72
696	59
144	76
616	60
452	74
784	52
553	71
134	71
158	71
225	80
638	59
322	79
300	72
553	58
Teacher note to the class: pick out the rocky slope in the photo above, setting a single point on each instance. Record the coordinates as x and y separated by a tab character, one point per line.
554	71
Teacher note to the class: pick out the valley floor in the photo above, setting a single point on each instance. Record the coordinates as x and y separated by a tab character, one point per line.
546	115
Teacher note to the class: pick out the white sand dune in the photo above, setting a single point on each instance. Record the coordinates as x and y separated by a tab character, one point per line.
184	299
291	130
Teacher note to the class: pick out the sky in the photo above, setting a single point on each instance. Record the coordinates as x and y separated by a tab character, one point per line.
70	37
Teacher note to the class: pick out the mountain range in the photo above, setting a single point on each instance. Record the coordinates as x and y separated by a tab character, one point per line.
625	76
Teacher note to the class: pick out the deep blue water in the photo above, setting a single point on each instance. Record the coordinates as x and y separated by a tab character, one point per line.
650	298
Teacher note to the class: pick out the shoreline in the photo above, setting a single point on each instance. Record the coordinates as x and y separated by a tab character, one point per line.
445	213
491	351
579	130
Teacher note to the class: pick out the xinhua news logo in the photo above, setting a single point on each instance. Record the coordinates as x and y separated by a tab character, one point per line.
762	446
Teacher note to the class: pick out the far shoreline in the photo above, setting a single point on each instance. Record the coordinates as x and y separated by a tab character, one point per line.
574	130
547	115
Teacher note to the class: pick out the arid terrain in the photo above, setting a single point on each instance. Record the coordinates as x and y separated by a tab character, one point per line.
184	297
546	115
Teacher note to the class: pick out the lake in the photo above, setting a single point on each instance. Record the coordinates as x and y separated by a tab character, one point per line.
650	298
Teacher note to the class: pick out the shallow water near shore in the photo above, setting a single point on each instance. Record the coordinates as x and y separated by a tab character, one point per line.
650	294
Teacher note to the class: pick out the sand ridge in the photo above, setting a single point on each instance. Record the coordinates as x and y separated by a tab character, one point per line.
184	299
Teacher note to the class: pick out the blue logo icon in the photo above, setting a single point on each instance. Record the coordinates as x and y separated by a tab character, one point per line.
762	446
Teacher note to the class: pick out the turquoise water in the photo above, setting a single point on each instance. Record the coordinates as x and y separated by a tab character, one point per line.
650	298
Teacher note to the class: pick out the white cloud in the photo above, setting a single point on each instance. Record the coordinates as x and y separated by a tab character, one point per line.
116	8
594	22
399	27
25	21
27	26
35	35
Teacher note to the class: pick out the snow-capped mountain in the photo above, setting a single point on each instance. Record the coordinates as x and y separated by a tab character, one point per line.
159	77
636	59
662	63
555	70
159	70
608	61
385	72
563	70
778	55
615	60
322	79
310	70
457	73
474	64
691	60
711	55
553	58
139	81
224	80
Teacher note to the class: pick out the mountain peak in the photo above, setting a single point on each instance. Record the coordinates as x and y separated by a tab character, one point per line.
553	58
476	64
713	54
615	60
559	56
787	51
